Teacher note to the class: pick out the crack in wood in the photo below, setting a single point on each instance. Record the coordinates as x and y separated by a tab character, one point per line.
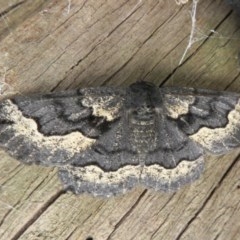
123	21
208	198
124	217
35	217
11	8
164	221
191	55
233	81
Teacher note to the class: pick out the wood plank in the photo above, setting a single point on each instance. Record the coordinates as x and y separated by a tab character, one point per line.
14	13
220	216
25	192
54	45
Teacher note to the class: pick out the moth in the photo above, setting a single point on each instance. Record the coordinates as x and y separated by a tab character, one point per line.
106	140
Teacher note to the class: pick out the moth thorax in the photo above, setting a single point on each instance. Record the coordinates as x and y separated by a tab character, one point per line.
143	115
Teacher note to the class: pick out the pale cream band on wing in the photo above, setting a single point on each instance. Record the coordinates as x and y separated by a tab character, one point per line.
98	104
185	170
177	105
96	175
72	142
207	136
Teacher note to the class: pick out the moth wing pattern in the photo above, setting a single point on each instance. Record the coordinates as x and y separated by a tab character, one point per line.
33	127
193	123
107	140
212	118
81	132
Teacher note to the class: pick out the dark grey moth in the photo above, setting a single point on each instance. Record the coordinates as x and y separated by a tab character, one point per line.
107	140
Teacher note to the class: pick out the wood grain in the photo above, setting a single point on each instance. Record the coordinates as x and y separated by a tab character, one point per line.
55	45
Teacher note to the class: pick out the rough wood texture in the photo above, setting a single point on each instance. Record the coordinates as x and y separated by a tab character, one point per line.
54	45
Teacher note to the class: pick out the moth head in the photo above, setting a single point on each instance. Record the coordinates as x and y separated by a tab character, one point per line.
142	98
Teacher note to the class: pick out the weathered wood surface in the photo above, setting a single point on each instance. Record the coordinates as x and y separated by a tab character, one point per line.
54	45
